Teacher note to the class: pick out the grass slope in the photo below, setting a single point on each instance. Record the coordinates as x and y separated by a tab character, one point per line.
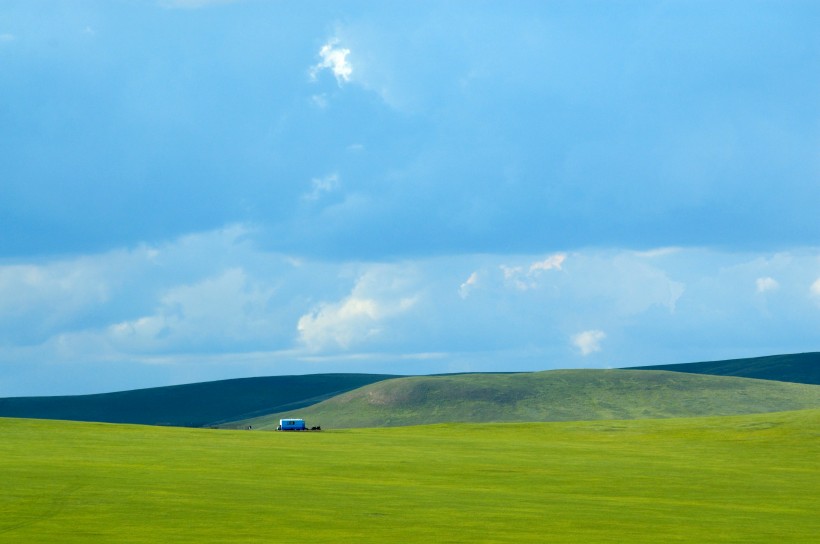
798	368
750	479
555	395
193	405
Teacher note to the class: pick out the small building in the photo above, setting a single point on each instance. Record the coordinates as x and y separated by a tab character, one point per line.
291	425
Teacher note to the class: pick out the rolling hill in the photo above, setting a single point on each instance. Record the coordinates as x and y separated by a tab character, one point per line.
797	368
555	395
482	397
192	405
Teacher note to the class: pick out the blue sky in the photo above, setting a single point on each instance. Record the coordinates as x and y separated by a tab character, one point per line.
203	189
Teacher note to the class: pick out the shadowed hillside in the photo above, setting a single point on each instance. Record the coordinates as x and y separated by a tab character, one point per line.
193	405
797	368
556	395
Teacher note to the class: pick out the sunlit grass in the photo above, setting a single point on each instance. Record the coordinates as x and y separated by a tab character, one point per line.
732	479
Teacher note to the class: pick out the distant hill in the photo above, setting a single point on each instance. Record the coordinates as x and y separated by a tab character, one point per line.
193	405
555	395
539	396
797	368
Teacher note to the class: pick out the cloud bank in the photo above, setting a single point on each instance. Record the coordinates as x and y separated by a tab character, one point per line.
216	296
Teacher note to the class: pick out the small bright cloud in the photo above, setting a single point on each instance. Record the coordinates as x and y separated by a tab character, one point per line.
470	284
6	37
815	288
524	279
767	284
552	262
334	58
588	341
322	186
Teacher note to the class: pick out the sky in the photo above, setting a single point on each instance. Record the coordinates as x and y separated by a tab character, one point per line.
194	190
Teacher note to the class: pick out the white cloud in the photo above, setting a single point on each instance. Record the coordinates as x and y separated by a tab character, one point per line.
380	294
552	262
208	295
522	278
588	341
350	321
815	288
334	59
322	186
766	284
229	307
36	300
470	284
6	37
514	276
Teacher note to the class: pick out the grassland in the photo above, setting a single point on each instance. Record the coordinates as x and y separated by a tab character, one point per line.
555	395
750	479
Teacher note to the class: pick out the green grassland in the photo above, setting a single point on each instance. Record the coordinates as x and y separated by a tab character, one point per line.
798	368
191	405
554	395
750	479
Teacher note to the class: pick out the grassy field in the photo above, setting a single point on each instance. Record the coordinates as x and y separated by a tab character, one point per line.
554	395
731	479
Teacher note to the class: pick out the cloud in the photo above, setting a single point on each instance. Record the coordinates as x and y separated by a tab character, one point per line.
815	288
523	279
588	341
380	294
350	321
38	300
550	263
334	59
322	186
229	308
766	284
6	38
470	284
216	296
